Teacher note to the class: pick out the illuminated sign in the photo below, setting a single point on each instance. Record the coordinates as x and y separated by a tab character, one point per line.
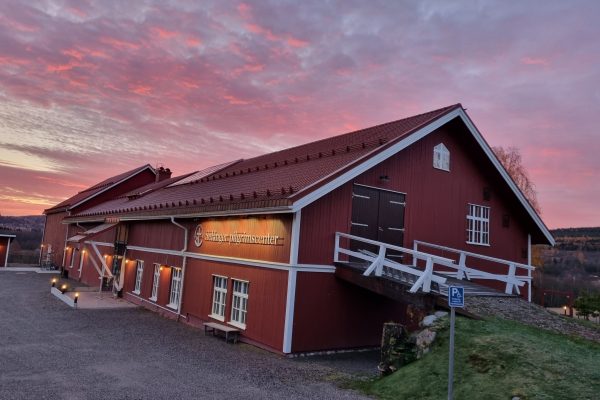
235	238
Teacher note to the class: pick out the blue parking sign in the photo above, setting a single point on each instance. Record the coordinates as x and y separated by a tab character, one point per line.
456	296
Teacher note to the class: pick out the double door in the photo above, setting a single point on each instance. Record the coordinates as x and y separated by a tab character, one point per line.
377	214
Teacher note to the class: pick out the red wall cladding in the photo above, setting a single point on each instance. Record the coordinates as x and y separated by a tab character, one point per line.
3	249
266	298
346	316
156	234
54	235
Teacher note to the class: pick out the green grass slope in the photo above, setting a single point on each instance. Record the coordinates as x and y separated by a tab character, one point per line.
498	359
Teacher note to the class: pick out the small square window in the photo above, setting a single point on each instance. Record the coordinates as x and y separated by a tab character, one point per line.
441	157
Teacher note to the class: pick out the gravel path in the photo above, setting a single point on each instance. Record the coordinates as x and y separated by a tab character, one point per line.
517	309
50	351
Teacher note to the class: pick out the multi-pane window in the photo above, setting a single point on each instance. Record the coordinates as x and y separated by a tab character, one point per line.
155	282
175	287
239	304
478	220
219	297
139	271
441	157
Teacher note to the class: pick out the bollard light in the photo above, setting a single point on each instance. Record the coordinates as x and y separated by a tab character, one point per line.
63	288
53	282
565	308
76	297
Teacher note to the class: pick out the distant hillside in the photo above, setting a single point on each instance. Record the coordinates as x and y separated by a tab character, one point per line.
23	224
573	264
25	249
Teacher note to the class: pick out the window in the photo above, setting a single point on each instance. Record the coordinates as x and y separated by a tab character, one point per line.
478	219
155	282
138	276
239	303
441	157
219	297
175	287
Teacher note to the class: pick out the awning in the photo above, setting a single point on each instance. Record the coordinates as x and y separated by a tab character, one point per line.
99	228
76	238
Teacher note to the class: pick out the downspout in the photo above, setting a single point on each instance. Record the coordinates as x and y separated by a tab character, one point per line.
184	262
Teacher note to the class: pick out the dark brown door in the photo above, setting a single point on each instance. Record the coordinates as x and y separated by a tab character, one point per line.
378	215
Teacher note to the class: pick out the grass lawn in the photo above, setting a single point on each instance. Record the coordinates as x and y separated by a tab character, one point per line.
498	359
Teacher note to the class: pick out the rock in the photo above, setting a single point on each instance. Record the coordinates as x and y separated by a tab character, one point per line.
429	320
441	314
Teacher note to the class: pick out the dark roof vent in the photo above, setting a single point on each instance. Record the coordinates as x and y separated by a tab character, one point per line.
268	193
254	194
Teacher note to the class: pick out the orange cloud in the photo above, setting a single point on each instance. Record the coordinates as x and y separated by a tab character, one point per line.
119	44
193	42
141	90
164	34
535	61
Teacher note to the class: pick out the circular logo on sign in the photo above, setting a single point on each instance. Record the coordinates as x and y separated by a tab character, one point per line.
198	236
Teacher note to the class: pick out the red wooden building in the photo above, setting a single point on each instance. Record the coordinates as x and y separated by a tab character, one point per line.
252	243
5	240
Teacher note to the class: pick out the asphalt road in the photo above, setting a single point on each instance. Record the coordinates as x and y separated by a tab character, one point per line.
50	351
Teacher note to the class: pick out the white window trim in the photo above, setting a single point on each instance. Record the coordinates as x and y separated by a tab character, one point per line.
224	293
444	157
175	304
477	218
241	296
155	282
139	274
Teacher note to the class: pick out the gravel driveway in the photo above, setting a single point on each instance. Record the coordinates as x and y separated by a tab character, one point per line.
50	351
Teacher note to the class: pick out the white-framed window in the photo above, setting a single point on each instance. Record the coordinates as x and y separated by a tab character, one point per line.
441	157
72	257
155	282
219	297
139	272
478	225
239	303
175	288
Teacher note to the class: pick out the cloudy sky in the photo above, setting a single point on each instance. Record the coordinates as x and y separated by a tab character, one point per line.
89	89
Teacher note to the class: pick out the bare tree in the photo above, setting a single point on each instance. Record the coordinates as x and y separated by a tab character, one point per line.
512	161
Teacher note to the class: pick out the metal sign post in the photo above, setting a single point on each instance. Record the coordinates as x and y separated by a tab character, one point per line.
456	298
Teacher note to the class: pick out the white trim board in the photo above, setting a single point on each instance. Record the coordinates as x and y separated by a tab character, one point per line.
290	301
252	263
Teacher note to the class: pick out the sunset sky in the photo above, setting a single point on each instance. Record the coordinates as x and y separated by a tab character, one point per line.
89	89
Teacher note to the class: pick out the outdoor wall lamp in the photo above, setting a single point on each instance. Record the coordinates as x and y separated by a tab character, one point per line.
384	178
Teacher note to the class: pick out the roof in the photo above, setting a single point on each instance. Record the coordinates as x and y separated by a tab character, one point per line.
268	181
290	179
98	188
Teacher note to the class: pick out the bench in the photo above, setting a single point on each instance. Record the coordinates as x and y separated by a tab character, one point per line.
227	330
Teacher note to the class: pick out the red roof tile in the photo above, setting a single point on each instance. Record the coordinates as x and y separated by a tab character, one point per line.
270	180
93	190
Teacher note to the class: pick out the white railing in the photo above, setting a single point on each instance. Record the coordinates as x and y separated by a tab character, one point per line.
512	280
378	261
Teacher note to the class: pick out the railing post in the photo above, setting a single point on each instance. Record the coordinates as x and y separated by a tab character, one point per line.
336	250
428	273
511	278
379	260
462	272
414	258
